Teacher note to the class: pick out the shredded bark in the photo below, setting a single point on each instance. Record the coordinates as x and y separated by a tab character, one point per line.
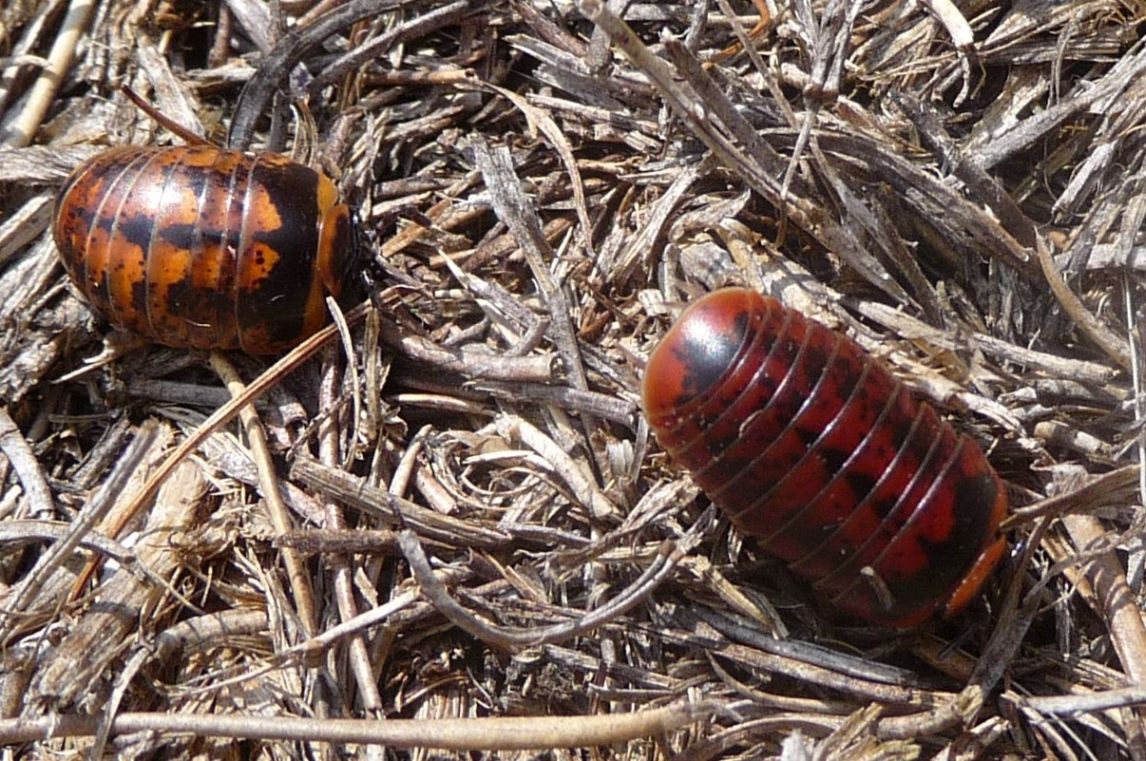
447	507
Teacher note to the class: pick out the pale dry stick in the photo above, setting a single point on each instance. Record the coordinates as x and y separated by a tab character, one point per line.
813	673
1098	574
913	329
1117	602
805	652
218	419
875	221
991	147
621	410
442	403
445	78
92	512
939	653
745	39
81	657
1063	367
500	733
760	168
532	338
309	649
20	133
433	492
979	737
19	667
827	65
656	222
296	569
1110	344
377	369
511	639
854	736
27	467
726	742
208	629
1060	434
268	81
952	19
357	493
979	184
84	657
383	643
597	54
470	364
324	541
21	228
585	490
540	120
124	676
829	34
220	51
1038	708
314	12
1097	490
773	700
956	712
437	213
165	392
22	532
339	320
340	564
400	482
706	94
664	498
1137	557
407	29
521	218
500	306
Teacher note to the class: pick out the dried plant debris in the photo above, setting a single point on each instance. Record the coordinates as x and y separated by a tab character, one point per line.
440	528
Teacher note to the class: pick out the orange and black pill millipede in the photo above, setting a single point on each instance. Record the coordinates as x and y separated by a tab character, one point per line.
201	247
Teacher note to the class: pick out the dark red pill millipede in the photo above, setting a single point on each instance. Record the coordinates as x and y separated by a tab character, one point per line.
809	445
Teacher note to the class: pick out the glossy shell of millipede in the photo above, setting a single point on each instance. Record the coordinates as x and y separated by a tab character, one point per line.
200	247
811	446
